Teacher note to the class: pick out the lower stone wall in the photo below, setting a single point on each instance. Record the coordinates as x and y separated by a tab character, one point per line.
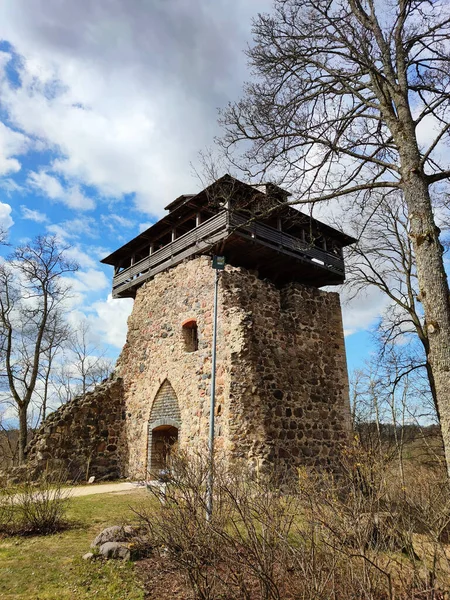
281	385
84	436
288	399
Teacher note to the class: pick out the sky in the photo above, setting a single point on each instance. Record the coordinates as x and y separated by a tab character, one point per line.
104	107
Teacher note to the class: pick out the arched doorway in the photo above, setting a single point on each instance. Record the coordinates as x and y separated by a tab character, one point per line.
163	429
164	439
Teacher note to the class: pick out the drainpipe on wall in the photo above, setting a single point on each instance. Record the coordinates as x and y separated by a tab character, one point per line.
218	264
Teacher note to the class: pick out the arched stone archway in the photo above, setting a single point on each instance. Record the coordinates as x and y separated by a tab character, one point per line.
163	428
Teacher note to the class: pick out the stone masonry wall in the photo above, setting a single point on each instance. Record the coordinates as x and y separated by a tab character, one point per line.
290	372
155	352
281	389
84	436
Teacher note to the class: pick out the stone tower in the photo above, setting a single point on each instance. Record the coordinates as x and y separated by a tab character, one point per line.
282	390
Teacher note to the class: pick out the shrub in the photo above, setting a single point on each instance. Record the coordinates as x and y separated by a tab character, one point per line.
6	509
31	508
358	536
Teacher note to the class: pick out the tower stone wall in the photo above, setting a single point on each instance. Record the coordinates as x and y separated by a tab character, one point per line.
281	388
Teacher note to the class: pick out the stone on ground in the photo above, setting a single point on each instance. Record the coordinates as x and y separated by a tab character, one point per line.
88	556
115	550
116	533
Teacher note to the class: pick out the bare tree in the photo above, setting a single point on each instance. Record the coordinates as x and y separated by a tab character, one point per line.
341	89
384	258
392	409
32	293
89	364
3	236
78	369
57	337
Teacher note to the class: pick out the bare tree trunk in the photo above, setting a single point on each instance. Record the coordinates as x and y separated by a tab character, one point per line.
377	414
430	377
46	384
434	292
23	433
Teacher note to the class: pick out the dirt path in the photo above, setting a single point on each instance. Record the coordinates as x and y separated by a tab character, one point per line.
88	490
103	488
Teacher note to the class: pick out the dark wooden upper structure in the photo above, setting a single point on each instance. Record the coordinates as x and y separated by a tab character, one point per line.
252	226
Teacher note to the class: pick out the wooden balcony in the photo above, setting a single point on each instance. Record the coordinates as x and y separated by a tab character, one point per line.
243	242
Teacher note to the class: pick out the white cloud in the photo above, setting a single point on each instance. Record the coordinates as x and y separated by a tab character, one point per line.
51	187
81	257
10	186
12	144
120	220
74	229
92	280
5	216
59	231
109	318
360	313
116	224
33	215
125	93
144	226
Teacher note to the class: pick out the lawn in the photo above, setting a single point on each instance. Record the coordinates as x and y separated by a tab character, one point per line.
51	567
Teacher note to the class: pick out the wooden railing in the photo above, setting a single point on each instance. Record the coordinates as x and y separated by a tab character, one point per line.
279	239
209	233
191	242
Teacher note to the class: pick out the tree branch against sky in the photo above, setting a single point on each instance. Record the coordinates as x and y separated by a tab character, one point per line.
349	97
3	236
331	78
383	258
32	293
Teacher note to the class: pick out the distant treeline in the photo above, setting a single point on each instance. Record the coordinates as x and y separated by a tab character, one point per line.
420	444
389	432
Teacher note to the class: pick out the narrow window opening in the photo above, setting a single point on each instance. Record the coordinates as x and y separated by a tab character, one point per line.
190	335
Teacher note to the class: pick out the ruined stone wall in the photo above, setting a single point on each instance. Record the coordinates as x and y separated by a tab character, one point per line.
155	352
84	436
290	373
281	389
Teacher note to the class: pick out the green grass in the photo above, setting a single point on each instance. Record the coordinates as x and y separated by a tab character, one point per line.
51	567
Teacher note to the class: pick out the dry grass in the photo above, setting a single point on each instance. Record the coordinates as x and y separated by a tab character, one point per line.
50	567
361	536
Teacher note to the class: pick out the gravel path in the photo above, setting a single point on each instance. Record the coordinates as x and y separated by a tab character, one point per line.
88	490
103	488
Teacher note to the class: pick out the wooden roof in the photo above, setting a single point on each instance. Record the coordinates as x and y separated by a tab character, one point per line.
225	188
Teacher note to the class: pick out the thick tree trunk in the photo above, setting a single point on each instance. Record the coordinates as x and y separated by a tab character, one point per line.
434	292
23	434
430	377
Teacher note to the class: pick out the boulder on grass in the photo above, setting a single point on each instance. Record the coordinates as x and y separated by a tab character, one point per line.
114	534
115	550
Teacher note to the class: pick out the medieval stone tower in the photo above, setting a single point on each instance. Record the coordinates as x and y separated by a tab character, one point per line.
281	391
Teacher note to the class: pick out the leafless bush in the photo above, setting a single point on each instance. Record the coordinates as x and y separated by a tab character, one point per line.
6	509
179	528
386	538
31	508
357	536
